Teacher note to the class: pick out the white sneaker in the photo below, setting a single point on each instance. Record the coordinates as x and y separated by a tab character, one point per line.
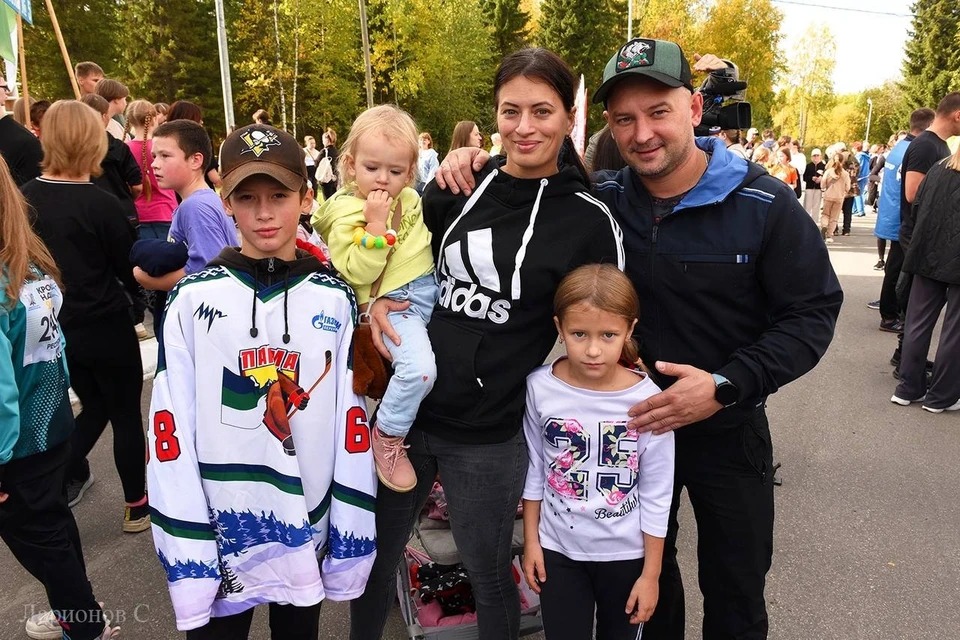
44	626
141	331
954	407
905	403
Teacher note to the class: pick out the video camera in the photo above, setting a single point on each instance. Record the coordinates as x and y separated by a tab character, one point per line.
724	101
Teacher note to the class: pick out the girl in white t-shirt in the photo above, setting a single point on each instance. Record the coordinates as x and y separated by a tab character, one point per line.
597	494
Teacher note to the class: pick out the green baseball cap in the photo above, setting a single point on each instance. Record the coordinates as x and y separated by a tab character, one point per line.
657	59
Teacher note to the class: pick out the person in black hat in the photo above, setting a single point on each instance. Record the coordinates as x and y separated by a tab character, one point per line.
738	298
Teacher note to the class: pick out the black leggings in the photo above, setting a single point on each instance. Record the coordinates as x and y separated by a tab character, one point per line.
574	587
287	622
107	375
39	529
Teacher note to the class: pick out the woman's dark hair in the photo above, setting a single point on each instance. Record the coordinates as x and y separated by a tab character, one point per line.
549	68
606	156
183	110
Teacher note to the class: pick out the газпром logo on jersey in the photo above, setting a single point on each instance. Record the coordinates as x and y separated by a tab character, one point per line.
468	299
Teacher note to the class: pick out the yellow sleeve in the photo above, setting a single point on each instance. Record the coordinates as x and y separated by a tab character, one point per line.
335	221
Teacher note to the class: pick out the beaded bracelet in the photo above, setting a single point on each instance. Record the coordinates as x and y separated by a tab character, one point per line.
363	239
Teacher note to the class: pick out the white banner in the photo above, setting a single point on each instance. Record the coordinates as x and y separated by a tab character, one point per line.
579	133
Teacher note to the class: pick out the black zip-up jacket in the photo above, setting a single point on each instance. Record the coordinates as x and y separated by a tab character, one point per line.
500	255
735	280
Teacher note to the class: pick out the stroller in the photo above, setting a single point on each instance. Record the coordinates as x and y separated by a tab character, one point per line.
436	538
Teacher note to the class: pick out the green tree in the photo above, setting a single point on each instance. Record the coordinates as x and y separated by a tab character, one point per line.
509	23
441	71
747	32
564	25
89	30
673	20
169	52
810	82
932	61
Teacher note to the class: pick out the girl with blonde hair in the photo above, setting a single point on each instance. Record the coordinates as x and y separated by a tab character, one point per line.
378	241
88	235
155	205
35	522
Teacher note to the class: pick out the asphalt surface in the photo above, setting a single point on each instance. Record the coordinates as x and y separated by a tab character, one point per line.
867	542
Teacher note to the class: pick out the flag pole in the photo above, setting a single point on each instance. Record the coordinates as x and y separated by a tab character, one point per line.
24	90
63	48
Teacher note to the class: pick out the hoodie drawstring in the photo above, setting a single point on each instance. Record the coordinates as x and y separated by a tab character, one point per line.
256	290
286	326
527	234
466	208
253	309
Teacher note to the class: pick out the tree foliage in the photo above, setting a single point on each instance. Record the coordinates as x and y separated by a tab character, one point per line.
931	66
89	31
168	52
809	92
509	23
564	29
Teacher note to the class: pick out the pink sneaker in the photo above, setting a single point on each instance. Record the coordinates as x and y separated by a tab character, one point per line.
393	466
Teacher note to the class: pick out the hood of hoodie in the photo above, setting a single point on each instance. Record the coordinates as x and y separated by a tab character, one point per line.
267	272
726	173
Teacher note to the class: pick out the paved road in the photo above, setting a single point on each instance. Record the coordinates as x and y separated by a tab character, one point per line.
867	542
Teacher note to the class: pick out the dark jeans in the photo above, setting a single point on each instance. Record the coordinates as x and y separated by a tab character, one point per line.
728	473
847	208
889	309
574	587
107	375
287	622
482	484
927	299
39	529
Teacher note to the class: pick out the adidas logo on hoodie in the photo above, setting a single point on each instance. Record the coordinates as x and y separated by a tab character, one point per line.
469	298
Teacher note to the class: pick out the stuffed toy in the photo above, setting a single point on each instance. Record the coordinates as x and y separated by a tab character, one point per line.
370	371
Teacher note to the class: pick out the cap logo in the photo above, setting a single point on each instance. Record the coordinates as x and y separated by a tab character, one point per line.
259	142
636	53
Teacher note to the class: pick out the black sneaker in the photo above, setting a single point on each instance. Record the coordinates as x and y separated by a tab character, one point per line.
891	326
875	305
895	358
76	488
879	266
136	519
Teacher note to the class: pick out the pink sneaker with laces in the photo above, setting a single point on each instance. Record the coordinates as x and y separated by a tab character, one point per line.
393	466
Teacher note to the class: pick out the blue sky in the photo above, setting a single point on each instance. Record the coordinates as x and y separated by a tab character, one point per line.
869	46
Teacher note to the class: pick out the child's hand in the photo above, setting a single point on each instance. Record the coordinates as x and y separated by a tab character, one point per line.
376	208
643	599
533	568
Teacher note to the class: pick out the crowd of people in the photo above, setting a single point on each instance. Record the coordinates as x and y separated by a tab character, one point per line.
262	477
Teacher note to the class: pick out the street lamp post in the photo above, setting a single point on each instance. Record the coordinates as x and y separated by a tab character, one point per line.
866	138
629	19
226	85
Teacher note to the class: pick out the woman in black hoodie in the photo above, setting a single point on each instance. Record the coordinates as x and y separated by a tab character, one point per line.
500	255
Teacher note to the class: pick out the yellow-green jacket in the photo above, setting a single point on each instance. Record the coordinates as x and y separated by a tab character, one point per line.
337	219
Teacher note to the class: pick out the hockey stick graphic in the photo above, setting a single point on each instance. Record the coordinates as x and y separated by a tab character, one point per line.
326	370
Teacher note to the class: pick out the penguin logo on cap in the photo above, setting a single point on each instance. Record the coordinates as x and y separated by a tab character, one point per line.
634	54
259	142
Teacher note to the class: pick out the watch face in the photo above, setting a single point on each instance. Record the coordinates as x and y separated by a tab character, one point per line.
727	394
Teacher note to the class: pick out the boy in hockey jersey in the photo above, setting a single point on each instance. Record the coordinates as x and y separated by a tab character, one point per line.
261	477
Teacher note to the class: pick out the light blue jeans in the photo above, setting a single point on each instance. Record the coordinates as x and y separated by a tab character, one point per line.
414	366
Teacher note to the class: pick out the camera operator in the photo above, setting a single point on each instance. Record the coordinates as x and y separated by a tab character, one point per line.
738	299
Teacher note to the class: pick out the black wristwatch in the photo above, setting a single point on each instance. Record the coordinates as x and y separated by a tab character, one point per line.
727	393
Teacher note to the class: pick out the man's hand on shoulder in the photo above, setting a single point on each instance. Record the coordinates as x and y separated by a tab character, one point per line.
690	399
456	170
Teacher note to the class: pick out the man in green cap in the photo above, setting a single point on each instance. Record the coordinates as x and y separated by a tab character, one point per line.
738	298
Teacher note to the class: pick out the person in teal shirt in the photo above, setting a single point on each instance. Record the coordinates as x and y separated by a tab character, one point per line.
36	421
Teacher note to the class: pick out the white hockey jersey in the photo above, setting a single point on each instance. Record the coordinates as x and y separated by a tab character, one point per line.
599	483
260	474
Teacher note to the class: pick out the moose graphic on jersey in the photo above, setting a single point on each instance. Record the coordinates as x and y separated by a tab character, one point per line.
267	392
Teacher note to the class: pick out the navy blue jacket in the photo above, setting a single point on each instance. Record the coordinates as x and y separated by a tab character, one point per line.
736	280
